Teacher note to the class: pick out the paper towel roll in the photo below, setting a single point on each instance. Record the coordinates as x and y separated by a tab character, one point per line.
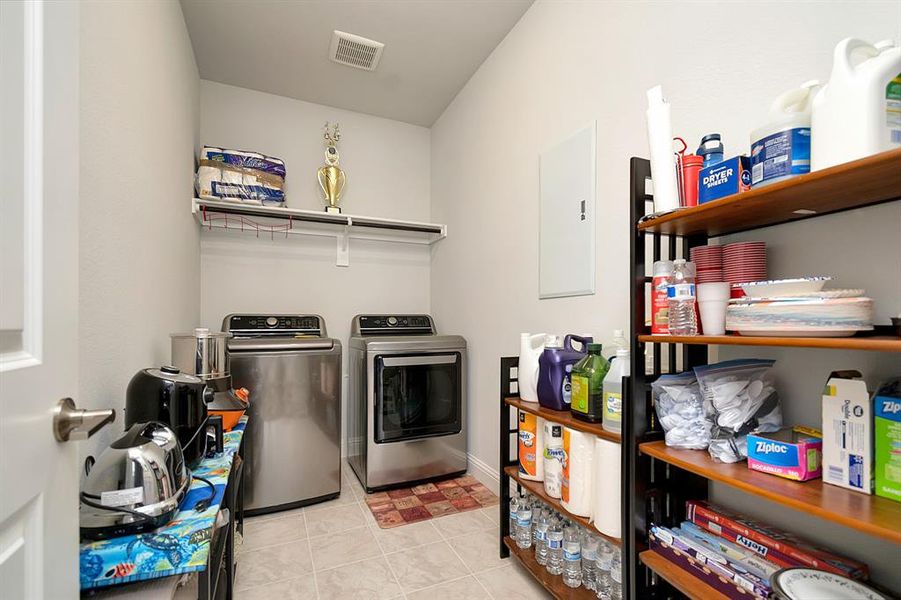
577	471
660	144
606	503
531	446
206	176
553	458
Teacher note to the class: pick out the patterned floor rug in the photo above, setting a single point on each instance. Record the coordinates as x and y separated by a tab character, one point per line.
427	501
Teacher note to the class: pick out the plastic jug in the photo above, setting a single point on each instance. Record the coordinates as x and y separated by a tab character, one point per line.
554	368
858	112
613	390
531	345
781	148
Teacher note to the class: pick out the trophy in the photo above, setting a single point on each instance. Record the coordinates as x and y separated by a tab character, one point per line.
331	176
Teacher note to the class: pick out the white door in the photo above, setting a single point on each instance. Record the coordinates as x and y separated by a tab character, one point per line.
38	296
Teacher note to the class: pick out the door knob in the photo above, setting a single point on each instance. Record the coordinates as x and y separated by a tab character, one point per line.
73	424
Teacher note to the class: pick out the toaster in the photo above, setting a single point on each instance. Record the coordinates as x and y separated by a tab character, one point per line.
135	485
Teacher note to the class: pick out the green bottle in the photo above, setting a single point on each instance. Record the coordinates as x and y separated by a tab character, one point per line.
588	385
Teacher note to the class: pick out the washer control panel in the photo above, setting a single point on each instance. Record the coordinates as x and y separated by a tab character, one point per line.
394	325
282	325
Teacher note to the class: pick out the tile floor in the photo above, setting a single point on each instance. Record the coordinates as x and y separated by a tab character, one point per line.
335	550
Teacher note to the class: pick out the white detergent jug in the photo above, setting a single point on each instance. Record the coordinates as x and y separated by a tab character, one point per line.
781	148
531	345
858	113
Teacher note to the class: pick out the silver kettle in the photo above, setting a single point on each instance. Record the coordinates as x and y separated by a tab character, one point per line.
135	485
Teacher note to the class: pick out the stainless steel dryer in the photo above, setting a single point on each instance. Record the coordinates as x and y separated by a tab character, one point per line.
407	401
293	371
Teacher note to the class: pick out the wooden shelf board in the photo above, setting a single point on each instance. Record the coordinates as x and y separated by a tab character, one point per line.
552	583
878	343
679	578
876	516
537	488
564	417
850	185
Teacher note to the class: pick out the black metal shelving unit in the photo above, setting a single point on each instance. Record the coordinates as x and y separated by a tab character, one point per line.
655	493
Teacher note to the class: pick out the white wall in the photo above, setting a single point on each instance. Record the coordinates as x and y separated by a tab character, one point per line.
139	262
387	167
568	63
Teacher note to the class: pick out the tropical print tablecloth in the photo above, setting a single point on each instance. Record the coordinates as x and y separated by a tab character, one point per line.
181	546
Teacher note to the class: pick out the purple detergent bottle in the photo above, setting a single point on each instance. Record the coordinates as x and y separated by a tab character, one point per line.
554	366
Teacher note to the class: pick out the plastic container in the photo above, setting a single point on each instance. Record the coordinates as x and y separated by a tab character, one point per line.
711	149
691	168
663	275
588	385
780	149
531	345
613	391
554	368
858	112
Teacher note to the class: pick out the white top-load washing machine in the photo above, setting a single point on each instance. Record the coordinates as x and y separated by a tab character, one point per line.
406	402
292	449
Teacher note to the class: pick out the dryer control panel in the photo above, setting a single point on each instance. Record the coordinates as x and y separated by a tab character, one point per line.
393	325
281	325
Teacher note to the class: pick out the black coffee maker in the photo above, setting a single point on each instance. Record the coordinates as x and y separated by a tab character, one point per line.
175	399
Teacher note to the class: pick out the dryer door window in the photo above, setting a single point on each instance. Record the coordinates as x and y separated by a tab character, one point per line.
417	396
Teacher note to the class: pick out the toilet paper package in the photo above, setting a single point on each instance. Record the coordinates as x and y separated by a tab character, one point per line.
531	446
606	504
239	176
578	452
554	458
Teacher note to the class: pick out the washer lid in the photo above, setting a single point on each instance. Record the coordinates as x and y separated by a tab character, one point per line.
279	344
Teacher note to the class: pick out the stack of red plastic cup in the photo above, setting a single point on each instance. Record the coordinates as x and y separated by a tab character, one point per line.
708	261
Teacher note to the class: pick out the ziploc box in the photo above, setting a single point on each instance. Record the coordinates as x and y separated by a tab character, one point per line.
848	432
887	406
732	176
793	453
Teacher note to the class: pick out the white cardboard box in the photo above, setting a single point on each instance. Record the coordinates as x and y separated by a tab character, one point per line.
848	432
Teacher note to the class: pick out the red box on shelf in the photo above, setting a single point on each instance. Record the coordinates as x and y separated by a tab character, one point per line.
776	546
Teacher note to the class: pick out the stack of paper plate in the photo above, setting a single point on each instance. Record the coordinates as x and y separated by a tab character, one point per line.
806	316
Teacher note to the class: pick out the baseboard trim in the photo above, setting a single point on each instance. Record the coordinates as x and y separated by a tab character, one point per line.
485	473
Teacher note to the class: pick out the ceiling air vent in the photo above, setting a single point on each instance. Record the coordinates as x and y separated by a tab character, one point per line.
355	51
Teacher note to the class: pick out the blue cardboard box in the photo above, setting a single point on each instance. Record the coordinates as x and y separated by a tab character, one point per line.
731	176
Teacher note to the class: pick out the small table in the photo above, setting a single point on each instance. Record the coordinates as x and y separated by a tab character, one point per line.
191	542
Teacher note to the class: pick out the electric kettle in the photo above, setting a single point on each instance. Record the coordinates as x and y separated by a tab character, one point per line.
135	485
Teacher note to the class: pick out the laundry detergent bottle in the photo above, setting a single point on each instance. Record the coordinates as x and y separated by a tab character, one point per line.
554	368
531	345
858	112
588	385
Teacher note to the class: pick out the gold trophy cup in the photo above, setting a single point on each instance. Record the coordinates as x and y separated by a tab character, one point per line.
331	176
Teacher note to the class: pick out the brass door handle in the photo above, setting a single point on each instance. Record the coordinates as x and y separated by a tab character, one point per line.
73	424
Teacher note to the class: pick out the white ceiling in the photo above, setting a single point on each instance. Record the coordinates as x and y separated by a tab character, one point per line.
432	47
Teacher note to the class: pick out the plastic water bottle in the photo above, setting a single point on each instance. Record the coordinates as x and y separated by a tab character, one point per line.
572	557
602	564
524	524
589	558
616	577
555	548
541	527
682	299
514	506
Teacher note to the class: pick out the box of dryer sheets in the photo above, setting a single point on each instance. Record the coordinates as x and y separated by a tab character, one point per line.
888	439
776	546
709	566
848	432
731	176
793	453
